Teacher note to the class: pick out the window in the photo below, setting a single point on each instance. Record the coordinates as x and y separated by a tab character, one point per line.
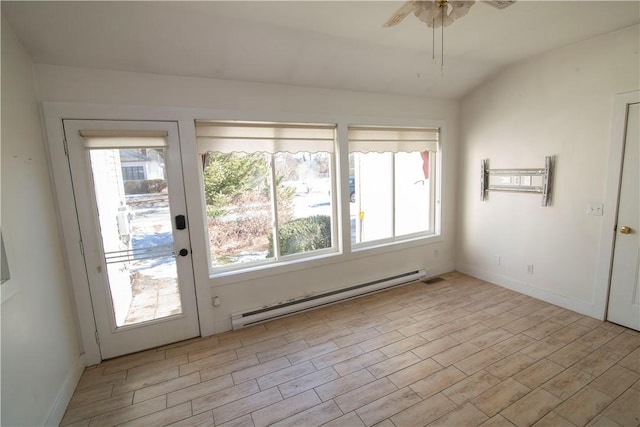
132	173
392	183
268	190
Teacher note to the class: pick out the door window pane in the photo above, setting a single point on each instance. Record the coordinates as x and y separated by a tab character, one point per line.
137	240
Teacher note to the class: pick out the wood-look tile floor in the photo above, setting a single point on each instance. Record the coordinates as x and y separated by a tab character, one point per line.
460	352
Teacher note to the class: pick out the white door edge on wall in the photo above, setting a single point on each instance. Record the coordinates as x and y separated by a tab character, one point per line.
624	290
612	187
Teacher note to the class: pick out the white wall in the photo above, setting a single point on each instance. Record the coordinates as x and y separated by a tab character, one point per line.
558	104
40	352
205	98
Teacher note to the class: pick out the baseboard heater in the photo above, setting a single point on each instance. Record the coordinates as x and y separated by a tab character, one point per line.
288	308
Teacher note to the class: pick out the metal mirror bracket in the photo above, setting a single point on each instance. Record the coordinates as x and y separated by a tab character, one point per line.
516	180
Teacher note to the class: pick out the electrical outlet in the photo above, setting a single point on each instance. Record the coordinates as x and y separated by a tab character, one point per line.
436	253
530	268
497	259
595	209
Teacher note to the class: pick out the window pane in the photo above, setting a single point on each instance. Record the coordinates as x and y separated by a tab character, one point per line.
390	194
239	209
268	189
412	190
137	237
304	201
372	212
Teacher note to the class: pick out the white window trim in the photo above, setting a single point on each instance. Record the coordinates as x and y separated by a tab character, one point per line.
431	140
223	136
55	112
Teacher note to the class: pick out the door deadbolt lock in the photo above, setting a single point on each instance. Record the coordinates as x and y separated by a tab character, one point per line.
181	222
625	230
184	252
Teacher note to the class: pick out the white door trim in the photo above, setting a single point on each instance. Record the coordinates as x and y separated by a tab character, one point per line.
612	189
70	234
117	339
53	114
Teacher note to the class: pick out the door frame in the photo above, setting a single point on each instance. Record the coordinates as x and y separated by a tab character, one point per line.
612	190
53	114
127	338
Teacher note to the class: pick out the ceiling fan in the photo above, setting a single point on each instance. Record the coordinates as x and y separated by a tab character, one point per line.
439	13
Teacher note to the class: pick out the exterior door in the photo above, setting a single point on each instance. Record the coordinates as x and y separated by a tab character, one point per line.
129	195
624	293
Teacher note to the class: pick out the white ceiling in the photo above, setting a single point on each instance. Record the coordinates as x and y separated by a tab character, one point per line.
328	44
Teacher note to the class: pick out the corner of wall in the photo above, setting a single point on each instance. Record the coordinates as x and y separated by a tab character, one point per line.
558	103
37	320
66	392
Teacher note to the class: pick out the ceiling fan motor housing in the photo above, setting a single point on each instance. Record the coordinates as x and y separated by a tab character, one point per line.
441	13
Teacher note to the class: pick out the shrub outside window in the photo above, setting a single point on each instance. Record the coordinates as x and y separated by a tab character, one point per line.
268	189
392	172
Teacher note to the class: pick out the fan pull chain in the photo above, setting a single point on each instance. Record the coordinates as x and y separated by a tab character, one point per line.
442	41
433	40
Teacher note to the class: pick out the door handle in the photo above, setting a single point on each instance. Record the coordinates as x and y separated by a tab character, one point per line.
625	230
184	252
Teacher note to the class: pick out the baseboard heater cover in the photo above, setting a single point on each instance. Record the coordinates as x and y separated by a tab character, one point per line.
288	308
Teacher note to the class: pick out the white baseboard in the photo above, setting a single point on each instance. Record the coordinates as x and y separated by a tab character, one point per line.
519	286
66	391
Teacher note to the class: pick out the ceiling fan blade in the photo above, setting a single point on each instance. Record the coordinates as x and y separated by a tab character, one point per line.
400	14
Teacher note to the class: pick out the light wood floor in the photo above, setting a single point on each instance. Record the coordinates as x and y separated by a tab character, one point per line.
460	352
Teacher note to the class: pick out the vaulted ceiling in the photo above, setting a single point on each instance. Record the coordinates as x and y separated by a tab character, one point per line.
328	44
